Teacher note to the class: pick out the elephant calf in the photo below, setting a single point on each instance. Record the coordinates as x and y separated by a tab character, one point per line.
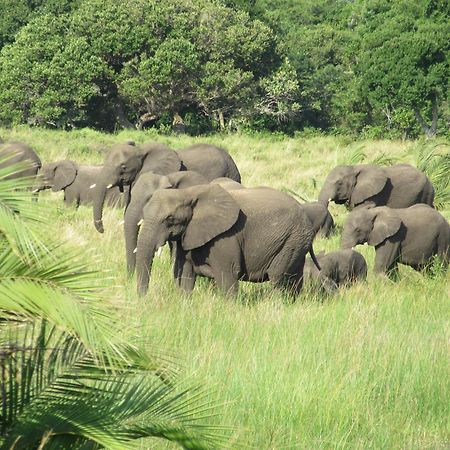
252	235
338	268
76	181
410	236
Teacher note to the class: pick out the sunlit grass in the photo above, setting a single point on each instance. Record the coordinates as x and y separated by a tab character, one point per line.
367	368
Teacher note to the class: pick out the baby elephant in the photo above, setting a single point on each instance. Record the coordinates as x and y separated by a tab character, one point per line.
76	181
410	236
341	267
19	153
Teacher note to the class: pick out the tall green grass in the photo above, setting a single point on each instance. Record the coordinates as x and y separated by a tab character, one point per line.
365	369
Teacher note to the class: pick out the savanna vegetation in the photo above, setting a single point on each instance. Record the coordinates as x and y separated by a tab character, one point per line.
375	68
366	368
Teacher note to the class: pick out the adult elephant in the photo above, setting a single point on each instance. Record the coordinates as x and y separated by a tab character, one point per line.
397	186
143	190
409	236
19	153
77	182
124	164
252	235
320	217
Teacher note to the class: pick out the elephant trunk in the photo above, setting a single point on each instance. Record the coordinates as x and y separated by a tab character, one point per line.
150	239
133	216
106	180
347	241
326	194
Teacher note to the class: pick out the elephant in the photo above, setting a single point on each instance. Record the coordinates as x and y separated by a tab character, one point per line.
125	163
227	183
77	182
397	186
340	267
409	236
19	153
320	217
255	235
143	191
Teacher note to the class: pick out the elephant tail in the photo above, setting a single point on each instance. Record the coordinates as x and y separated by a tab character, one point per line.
313	257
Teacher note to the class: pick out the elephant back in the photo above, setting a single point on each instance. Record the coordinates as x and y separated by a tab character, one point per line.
210	161
409	186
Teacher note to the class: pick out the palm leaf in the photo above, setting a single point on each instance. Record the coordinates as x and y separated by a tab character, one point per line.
64	394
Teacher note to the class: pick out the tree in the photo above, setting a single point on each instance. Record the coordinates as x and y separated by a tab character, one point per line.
67	378
404	65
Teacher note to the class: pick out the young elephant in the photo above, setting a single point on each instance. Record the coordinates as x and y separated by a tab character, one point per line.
410	236
76	181
320	217
338	268
19	153
143	191
397	186
253	235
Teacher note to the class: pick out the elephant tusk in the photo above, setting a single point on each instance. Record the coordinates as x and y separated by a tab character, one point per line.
159	252
121	222
135	250
35	190
92	186
109	186
140	222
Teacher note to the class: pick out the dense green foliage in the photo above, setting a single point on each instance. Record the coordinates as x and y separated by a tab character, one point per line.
367	66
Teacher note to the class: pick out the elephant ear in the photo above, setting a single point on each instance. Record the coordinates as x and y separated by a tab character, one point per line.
159	158
214	212
64	175
370	181
184	179
385	225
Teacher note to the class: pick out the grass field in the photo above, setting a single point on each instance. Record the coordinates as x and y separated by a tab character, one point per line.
367	369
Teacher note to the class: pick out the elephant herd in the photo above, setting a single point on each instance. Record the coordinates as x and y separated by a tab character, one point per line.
193	200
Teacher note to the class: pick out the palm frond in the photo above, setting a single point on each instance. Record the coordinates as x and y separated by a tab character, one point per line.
352	155
384	160
434	160
64	394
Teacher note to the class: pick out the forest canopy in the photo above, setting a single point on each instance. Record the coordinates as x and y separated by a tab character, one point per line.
375	67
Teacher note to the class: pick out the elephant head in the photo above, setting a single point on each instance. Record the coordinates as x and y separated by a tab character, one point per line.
58	175
143	190
194	216
124	163
371	225
353	185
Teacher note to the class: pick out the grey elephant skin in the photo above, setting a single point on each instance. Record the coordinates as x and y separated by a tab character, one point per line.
255	235
124	164
338	268
409	236
19	153
320	217
77	182
397	186
227	183
143	190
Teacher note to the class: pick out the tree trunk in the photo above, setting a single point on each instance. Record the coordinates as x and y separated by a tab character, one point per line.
121	118
221	121
430	131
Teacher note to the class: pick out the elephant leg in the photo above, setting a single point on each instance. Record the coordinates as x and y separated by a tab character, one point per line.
227	282
183	270
386	258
